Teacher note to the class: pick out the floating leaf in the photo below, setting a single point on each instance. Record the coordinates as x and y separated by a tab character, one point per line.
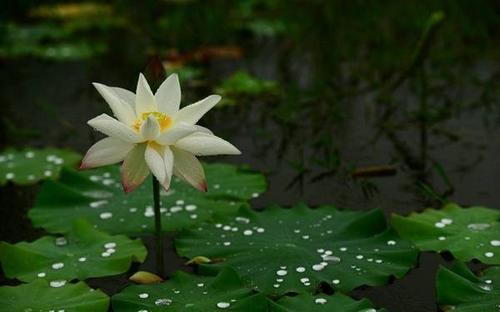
307	302
185	292
83	253
280	250
468	233
32	165
97	195
40	296
459	290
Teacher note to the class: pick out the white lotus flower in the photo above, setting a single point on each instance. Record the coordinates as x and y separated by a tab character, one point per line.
150	133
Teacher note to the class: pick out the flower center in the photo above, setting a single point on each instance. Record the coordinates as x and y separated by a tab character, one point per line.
163	120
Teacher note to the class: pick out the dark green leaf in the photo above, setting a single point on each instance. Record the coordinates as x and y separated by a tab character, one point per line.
459	290
83	253
97	195
468	233
307	302
31	165
185	292
39	296
280	250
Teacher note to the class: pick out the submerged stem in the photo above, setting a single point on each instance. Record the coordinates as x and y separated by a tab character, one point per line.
160	267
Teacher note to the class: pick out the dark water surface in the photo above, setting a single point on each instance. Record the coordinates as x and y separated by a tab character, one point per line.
56	99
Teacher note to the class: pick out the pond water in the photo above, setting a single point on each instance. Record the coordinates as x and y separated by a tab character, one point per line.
335	149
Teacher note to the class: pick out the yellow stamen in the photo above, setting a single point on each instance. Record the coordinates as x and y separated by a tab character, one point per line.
163	120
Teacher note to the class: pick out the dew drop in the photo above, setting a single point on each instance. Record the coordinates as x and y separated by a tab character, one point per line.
223	305
320	301
439	225
94	178
489	254
336	281
61	241
247	232
332	258
191	207
41	274
105	215
163	301
110	245
57	283
391	243
318	267
485	287
281	272
447	221
143	295
495	243
300	269
57	265
175	209
98	203
478	226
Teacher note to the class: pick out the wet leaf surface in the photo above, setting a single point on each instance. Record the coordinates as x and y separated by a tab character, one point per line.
281	250
307	302
29	166
183	292
468	233
97	196
83	253
40	296
459	290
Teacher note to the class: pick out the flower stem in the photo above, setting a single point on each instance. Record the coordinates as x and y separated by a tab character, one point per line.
160	267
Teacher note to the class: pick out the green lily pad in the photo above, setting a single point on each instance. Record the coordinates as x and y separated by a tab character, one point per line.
97	196
459	290
40	296
307	302
468	233
31	165
83	253
281	250
185	292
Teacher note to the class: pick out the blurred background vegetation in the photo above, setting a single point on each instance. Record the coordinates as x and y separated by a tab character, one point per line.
308	85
